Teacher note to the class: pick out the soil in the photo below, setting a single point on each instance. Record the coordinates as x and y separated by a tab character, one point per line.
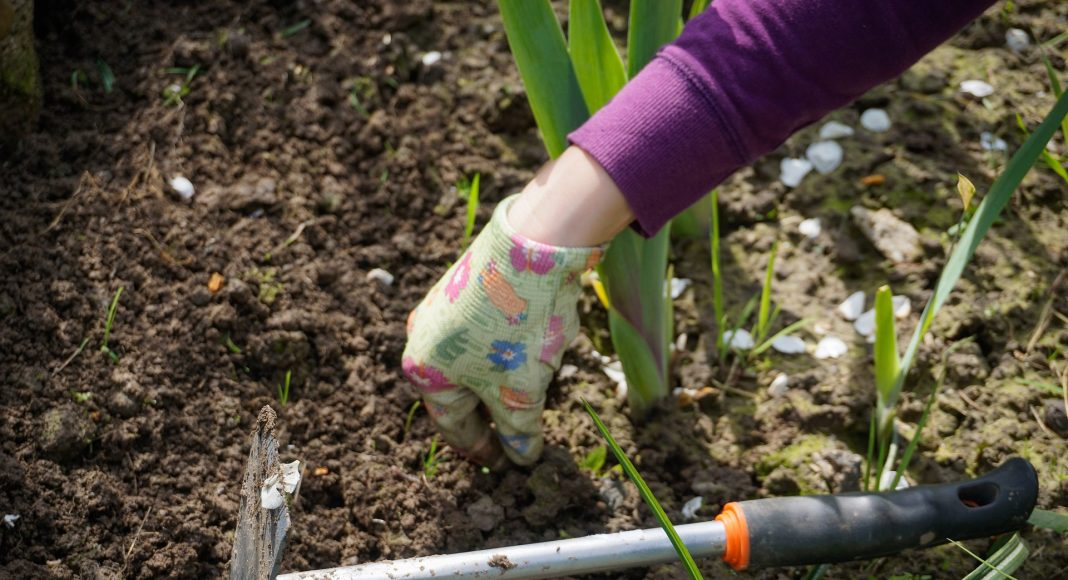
322	147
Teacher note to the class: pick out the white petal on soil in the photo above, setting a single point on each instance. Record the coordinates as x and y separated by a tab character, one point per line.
680	342
381	276
789	344
810	228
875	120
680	391
888	477
852	307
738	339
976	88
1017	40
10	519
431	58
614	371
830	347
835	130
290	476
270	494
792	171
990	143
779	385
825	156
689	509
183	187
902	306
678	286
865	323
567	371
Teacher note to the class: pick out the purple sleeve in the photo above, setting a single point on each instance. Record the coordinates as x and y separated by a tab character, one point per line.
743	77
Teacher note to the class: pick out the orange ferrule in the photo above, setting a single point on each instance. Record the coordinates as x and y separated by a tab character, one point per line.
733	520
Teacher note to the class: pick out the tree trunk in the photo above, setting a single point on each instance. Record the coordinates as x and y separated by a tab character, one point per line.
20	87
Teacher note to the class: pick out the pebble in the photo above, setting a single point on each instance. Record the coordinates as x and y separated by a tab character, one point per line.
990	143
835	130
875	120
852	307
1017	40
381	276
779	385
183	187
810	228
894	238
830	347
865	323
825	156
689	509
1055	416
792	171
976	88
738	339
789	344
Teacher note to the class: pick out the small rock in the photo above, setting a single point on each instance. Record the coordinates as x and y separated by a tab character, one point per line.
183	187
835	130
990	143
485	513
789	344
792	171
895	238
381	276
122	405
689	509
852	307
825	156
779	385
1055	417
64	432
902	306
1017	40
613	493
830	347
738	339
875	120
865	324
976	88
254	196
810	228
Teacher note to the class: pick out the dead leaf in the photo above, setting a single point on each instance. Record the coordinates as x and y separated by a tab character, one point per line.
216	282
874	179
966	189
320	471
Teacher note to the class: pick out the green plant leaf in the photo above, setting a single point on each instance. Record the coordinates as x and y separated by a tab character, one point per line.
1049	520
107	78
597	63
645	382
594	460
698	7
537	43
1008	554
653	23
717	276
887	362
472	209
985	215
1055	86
646	493
761	329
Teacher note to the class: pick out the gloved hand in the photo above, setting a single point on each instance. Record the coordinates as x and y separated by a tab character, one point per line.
492	331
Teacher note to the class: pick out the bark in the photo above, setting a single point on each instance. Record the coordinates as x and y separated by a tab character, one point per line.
20	86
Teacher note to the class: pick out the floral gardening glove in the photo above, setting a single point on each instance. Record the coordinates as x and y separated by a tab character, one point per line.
492	331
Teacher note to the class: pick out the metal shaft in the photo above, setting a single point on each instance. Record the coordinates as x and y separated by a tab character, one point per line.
597	553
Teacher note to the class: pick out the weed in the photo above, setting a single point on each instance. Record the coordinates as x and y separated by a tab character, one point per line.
81	396
107	78
108	322
432	460
717	276
231	345
469	190
291	30
411	415
594	460
283	390
172	95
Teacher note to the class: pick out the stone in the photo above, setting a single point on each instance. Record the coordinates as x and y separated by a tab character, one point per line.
893	237
875	120
65	431
976	88
485	513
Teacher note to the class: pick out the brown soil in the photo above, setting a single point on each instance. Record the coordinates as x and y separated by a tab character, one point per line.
322	147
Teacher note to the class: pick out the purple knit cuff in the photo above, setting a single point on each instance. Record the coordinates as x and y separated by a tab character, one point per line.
649	150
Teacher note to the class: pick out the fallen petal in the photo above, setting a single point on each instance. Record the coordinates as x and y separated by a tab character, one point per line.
830	347
990	143
976	88
779	385
431	58
614	371
10	519
567	371
678	286
792	171
789	344
835	130
738	339
810	228
825	156
183	187
381	276
865	323
852	307
875	120
1017	40
689	509
902	306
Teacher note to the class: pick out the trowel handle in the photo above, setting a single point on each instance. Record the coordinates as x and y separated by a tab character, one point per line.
825	529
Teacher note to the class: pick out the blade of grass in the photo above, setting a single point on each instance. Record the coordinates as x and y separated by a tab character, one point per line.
1050	520
653	23
645	492
110	320
537	43
717	276
987	212
1008	555
789	329
1051	161
765	297
887	362
597	63
698	7
1055	86
472	209
107	78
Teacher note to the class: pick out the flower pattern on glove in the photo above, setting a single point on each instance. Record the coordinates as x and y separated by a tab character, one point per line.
507	356
425	377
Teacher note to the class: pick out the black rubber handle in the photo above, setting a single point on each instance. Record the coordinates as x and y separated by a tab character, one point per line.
825	529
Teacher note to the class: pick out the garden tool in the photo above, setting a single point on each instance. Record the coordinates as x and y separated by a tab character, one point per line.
760	533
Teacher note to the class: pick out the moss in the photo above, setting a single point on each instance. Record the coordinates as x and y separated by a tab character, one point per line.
797	454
